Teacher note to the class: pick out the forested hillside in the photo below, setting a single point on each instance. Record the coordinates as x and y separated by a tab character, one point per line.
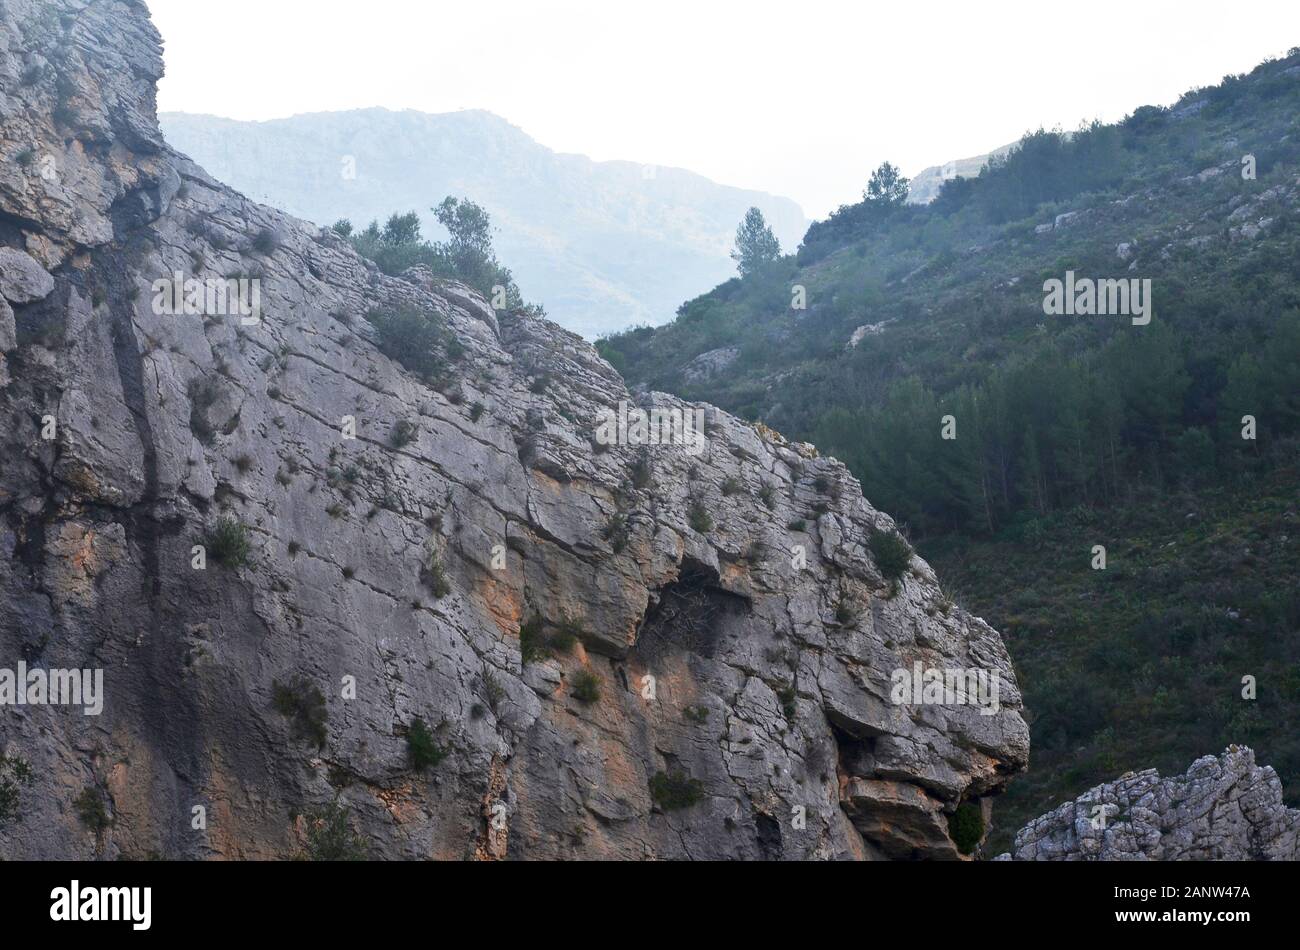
912	342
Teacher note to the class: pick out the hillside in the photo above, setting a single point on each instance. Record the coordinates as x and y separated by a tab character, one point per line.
1070	431
602	245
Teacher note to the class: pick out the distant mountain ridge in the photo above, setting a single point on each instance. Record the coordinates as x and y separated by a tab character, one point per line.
602	245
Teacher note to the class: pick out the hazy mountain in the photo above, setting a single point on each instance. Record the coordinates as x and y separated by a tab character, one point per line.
603	245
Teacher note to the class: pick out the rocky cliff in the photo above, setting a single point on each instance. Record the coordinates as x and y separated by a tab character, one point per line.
434	600
1224	808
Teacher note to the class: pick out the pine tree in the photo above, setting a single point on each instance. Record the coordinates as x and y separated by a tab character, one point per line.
756	245
887	185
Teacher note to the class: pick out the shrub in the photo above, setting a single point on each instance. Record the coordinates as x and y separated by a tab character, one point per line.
303	704
844	612
493	691
699	518
330	836
420	747
14	772
227	543
767	495
675	790
413	338
435	577
616	532
966	827
586	687
266	242
532	641
91	809
535	644
732	486
892	554
696	714
787	696
797	525
565	636
403	433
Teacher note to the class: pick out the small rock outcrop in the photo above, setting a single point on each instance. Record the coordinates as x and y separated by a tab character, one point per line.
1223	808
411	584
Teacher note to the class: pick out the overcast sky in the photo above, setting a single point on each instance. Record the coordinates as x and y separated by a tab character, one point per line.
801	98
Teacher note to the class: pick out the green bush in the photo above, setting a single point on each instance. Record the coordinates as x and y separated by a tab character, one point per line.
330	836
266	242
675	790
536	644
303	704
533	645
403	434
586	687
420	747
566	634
615	532
892	554
966	827
435	577
227	543
788	698
413	338
699	518
91	809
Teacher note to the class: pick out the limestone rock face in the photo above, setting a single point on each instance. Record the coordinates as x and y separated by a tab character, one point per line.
654	651
1224	808
22	280
707	364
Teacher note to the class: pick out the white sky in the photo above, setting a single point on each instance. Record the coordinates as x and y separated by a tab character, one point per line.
800	98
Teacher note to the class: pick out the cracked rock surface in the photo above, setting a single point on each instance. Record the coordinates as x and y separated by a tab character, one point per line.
1223	808
749	662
